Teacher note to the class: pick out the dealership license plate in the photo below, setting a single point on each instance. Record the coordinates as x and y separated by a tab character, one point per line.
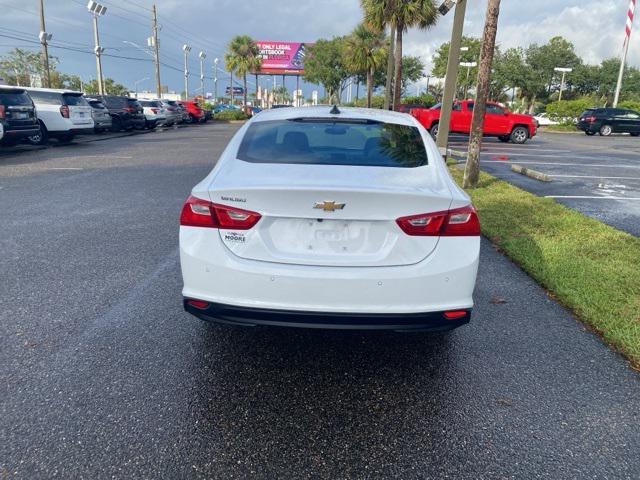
21	115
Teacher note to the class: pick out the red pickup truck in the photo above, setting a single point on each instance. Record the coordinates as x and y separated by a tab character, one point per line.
498	121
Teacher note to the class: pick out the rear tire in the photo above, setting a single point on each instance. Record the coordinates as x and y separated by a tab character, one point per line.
606	130
434	131
519	135
116	125
42	138
634	134
589	133
504	138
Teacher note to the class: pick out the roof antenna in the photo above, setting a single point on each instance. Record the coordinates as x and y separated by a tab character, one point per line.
335	110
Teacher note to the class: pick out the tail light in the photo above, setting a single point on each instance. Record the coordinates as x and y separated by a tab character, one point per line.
459	222
203	213
130	109
455	314
64	111
154	110
3	111
590	119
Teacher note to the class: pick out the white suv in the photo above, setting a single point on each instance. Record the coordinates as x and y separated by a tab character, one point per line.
63	114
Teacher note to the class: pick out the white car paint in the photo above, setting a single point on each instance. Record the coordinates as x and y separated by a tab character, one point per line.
80	117
356	260
544	120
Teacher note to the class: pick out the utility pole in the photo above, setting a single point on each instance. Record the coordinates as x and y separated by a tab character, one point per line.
44	38
472	168
625	50
186	49
96	11
452	75
156	49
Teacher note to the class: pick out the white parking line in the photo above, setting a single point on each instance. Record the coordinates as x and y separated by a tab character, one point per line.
590	197
564	164
64	168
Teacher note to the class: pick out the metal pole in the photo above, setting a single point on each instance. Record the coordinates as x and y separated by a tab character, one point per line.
156	51
452	76
186	75
215	82
202	78
297	90
616	97
561	86
98	50
45	50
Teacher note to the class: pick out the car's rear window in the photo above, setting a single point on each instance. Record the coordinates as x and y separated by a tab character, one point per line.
330	142
9	99
45	98
149	103
74	99
97	105
133	102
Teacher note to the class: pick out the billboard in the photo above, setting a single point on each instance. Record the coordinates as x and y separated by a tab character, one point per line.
283	57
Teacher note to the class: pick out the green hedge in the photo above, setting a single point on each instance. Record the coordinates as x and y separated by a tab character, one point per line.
230	115
630	104
566	111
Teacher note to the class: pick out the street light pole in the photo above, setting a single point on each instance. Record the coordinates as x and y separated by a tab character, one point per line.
156	50
564	72
186	49
96	11
202	56
215	81
452	72
44	38
137	82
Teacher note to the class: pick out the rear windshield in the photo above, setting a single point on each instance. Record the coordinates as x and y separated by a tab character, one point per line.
149	103
330	142
14	98
73	99
96	104
133	102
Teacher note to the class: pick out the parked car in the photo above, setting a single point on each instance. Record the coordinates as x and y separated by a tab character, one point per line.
498	121
183	113
606	121
544	120
172	112
62	114
251	110
101	118
154	113
126	113
375	234
283	105
194	112
407	107
18	119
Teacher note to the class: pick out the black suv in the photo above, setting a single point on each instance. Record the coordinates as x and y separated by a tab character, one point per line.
126	113
18	119
606	121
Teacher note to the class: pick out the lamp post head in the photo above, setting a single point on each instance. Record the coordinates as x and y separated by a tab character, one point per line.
215	61
186	48
202	55
95	8
563	70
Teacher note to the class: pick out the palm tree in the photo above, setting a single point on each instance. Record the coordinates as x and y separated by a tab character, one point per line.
242	58
401	15
365	52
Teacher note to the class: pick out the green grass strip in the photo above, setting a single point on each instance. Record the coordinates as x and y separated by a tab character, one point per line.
588	266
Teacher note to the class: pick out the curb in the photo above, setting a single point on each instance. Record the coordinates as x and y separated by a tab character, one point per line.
543	177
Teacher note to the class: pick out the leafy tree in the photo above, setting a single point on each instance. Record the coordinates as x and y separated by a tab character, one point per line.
425	99
465	75
18	66
400	15
364	53
558	52
325	65
242	58
412	71
110	87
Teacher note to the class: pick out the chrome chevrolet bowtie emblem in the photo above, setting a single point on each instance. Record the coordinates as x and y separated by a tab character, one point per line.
329	206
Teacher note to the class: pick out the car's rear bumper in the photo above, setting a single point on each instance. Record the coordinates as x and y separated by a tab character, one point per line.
246	316
443	281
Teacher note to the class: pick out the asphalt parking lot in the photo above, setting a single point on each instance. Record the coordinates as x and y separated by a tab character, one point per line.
599	176
102	375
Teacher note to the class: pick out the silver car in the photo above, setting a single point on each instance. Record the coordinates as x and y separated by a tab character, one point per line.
173	114
101	118
154	113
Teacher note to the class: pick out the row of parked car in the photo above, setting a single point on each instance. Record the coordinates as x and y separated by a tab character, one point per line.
35	115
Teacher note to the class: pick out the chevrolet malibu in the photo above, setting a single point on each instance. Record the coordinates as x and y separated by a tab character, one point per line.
330	218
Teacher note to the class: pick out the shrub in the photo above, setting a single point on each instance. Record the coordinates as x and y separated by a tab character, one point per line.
630	104
565	111
230	115
426	100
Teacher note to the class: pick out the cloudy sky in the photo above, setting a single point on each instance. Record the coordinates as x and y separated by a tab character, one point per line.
594	26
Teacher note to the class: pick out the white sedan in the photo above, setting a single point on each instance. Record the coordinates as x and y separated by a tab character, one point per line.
330	218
